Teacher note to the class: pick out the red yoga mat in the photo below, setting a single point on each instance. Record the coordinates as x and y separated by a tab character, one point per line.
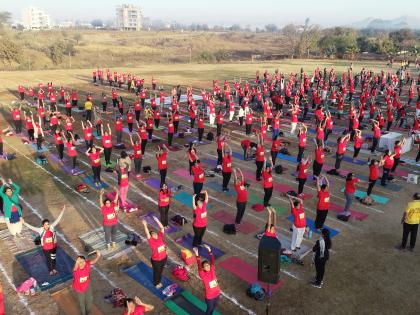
245	271
227	218
285	188
354	214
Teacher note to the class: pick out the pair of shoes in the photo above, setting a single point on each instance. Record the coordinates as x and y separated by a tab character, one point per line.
318	286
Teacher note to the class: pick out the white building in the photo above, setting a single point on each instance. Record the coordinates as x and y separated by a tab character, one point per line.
34	18
128	17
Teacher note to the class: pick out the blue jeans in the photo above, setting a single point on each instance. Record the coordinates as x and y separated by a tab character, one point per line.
349	200
211	305
275	133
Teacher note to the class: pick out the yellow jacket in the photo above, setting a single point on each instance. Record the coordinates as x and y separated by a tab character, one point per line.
412	212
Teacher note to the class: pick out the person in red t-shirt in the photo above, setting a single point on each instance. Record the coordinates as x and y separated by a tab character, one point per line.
162	160
136	307
319	159
267	181
376	135
302	141
358	141
163	204
192	155
259	157
159	256
71	151
270	226
199	176
17	118
373	174
397	150
94	154
349	191
137	154
207	273
59	143
226	166
107	143
299	222
388	163
109	217
81	282
241	195
87	132
302	174
323	201
48	240
199	204
341	150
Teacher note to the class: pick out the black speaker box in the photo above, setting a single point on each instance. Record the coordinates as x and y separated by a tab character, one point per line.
269	251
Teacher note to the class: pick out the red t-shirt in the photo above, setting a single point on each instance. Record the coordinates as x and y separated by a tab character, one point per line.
158	247
241	192
87	133
164	198
342	147
267	179
48	240
388	162
358	141
351	185
137	151
299	219
58	139
373	172
200	216
319	155
323	200
303	171
138	310
162	161
106	141
227	164
198	172
71	149
211	286
95	158
81	278
302	139
259	156
109	216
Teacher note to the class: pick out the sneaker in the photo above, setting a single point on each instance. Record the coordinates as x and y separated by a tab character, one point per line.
315	285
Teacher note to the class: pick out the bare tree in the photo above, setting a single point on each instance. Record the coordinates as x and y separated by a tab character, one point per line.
291	33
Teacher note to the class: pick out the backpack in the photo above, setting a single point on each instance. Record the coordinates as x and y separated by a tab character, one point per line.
292	193
180	135
118	297
132	239
9	156
210	136
229	229
179	220
256	291
278	169
342	217
147	169
180	273
82	188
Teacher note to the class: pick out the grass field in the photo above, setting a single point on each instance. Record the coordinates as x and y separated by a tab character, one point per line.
365	274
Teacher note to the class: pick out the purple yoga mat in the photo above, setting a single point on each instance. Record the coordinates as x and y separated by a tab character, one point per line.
149	219
68	168
55	158
155	183
183	173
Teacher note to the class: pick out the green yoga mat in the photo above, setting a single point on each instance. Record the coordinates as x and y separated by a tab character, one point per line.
376	198
107	165
186	303
253	199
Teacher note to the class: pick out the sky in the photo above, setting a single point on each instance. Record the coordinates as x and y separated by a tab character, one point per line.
255	13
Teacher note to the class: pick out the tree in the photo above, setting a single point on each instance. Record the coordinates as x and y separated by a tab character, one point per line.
5	17
56	52
97	23
271	28
77	37
290	31
401	35
10	52
308	39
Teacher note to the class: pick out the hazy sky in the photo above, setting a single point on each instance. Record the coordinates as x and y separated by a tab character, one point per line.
226	12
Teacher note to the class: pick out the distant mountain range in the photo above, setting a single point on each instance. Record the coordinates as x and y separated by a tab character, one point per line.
404	21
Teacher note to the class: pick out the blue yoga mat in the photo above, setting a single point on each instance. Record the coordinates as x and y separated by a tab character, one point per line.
356	161
376	198
35	148
88	180
389	186
186	199
287	158
311	224
95	134
210	162
155	183
35	265
187	240
143	274
238	155
218	187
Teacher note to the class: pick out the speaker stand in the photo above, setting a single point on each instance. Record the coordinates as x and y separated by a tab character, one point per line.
267	307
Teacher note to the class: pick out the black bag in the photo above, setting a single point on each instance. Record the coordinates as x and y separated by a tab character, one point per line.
229	228
119	146
342	217
292	193
180	135
109	170
147	169
132	239
210	136
278	169
37	240
179	220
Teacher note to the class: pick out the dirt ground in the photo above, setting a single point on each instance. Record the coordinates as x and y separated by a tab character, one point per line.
365	273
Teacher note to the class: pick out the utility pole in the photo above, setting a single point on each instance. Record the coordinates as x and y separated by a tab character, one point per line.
69	60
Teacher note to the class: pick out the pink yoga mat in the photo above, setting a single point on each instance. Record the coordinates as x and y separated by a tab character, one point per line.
182	172
129	204
227	218
245	271
285	188
400	173
354	214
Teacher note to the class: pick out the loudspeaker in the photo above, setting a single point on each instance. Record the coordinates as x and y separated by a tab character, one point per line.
269	260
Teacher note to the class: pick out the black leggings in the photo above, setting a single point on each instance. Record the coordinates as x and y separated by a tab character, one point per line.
268	192
73	161
396	162
274	157
163	176
198	235
316	169
107	153
338	159
163	210
240	211
219	157
170	137
158	266
248	129
321	215
302	182
60	150
31	134
96	174
143	145
226	179
50	256
192	122
137	165
320	270
258	172
370	187
409	229
356	152
300	154
374	144
197	187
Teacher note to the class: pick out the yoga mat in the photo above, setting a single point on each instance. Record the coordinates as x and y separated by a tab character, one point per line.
311	224
354	214
356	161
175	148
129	203
342	172
245	271
183	172
149	219
88	180
95	240
112	165
218	187
239	156
187	240
285	188
228	218
401	173
195	139
186	303
68	303
68	169
376	198
95	134
286	243
209	162
155	183
143	274
55	158
254	199
35	265
35	148
186	199
288	158
389	185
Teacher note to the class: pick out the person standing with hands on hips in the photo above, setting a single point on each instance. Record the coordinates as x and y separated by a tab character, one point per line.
410	221
81	282
207	274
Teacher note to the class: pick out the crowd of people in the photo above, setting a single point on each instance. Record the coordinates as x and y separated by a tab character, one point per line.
362	106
